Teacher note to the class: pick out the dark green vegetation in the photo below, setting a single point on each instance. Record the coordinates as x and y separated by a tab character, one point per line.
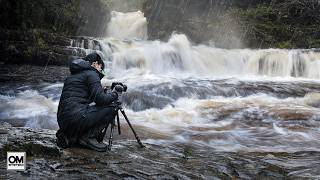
70	17
38	31
281	24
238	23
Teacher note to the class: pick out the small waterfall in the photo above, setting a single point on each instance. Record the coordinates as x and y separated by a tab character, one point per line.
123	26
131	25
81	46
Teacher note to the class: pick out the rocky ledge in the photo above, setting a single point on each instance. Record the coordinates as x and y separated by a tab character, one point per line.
42	48
127	160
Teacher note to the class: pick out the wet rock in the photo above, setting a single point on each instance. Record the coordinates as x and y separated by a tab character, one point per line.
313	99
43	48
86	42
292	114
55	166
166	161
16	75
15	122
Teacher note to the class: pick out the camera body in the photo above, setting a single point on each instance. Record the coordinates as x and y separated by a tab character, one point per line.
117	86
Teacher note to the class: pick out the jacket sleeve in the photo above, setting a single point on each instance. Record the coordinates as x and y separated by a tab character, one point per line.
96	92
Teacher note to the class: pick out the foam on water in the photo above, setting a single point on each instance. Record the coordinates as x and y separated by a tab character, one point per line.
36	110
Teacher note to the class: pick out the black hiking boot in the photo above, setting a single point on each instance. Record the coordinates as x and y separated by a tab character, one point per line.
92	143
62	140
93	138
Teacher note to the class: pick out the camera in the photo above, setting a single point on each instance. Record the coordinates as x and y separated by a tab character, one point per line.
119	87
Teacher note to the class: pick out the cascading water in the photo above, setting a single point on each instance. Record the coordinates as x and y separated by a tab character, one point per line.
230	100
131	25
179	56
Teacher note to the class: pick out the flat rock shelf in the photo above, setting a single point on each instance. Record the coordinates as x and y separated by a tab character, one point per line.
127	160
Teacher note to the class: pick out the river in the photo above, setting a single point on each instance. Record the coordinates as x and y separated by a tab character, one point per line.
232	100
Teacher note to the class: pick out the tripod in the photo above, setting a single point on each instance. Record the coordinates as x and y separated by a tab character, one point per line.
118	107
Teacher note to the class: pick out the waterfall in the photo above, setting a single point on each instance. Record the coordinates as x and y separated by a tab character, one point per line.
179	56
127	50
131	25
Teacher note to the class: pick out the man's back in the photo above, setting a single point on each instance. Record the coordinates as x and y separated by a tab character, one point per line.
74	97
80	121
80	89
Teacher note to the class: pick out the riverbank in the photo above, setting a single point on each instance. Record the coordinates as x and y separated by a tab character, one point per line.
156	161
32	74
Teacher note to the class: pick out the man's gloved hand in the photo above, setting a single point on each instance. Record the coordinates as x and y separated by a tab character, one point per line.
105	89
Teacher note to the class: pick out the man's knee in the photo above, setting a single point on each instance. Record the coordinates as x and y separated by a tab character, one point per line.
109	110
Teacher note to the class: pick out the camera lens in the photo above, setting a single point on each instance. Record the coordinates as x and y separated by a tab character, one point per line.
118	88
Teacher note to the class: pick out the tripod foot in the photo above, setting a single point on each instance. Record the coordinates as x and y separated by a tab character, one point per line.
140	143
109	147
142	146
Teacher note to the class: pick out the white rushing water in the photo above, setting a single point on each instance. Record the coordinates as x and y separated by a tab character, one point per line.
178	56
131	25
230	100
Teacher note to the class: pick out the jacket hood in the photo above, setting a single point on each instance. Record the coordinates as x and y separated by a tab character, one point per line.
80	65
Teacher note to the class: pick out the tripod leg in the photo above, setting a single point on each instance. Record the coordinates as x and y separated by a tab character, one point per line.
118	121
102	133
111	135
134	132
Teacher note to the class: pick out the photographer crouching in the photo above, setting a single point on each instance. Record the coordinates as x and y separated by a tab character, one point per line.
79	121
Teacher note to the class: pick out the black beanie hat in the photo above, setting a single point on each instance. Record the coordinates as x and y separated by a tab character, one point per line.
93	57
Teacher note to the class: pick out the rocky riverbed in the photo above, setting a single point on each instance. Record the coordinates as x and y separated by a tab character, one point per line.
128	161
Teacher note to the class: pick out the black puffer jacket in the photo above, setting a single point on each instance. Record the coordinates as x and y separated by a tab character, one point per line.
80	89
